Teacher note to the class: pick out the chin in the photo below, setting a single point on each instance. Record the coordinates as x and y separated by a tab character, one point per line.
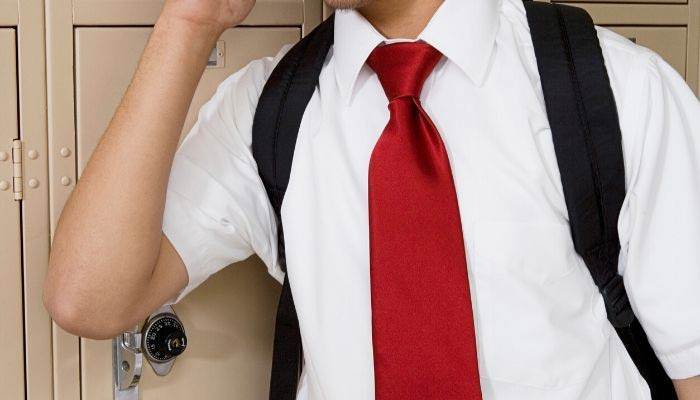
347	4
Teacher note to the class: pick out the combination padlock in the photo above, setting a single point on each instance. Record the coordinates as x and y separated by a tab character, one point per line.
164	339
161	340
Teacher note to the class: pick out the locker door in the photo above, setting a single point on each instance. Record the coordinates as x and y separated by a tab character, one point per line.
11	316
8	12
229	320
145	12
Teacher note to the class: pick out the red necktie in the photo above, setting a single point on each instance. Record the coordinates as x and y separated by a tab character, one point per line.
422	323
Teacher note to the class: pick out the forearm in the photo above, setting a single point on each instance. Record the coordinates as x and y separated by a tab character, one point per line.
688	389
108	237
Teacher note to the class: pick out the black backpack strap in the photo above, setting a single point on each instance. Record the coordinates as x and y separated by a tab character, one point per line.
275	127
588	143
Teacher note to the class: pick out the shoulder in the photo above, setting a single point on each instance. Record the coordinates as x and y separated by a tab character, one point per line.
621	54
228	115
646	87
658	111
631	67
250	80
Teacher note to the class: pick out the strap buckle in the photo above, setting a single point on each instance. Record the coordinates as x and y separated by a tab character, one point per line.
617	304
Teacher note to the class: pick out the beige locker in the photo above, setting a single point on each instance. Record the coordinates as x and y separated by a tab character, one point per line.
230	319
142	12
8	12
25	362
616	12
145	12
11	316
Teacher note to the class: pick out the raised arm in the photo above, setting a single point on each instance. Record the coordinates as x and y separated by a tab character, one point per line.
110	263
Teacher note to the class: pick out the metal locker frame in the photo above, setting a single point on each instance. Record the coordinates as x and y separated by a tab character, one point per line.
12	372
62	17
61	132
26	17
35	218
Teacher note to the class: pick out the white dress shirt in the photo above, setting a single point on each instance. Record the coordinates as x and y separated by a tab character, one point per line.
542	331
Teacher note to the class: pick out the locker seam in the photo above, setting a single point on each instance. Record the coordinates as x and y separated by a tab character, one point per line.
21	223
75	166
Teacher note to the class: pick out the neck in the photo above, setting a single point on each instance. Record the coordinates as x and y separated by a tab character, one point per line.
400	18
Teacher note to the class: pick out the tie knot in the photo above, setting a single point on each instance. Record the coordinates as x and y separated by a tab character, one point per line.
402	68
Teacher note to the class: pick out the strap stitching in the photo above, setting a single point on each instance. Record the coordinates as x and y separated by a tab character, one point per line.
581	112
278	123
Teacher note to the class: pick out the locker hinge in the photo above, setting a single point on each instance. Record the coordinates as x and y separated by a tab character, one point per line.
17	181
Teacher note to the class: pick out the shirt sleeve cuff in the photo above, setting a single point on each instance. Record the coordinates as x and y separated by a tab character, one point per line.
189	242
682	364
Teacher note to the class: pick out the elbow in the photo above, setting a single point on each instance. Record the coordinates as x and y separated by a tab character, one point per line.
79	312
74	317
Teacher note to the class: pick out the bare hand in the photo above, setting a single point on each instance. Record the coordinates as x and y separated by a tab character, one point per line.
218	14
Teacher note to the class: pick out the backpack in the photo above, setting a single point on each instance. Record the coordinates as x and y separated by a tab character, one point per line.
585	129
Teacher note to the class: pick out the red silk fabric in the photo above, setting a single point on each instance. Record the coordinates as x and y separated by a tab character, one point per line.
422	323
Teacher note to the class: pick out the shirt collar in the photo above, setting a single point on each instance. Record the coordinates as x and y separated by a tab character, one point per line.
462	30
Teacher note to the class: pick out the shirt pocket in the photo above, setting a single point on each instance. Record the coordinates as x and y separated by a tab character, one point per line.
538	312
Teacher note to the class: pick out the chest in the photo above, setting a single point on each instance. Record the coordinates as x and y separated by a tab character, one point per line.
519	249
496	135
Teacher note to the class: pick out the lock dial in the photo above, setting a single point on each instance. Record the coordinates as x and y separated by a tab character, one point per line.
164	338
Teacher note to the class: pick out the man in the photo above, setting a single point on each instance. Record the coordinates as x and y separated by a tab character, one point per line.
541	330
